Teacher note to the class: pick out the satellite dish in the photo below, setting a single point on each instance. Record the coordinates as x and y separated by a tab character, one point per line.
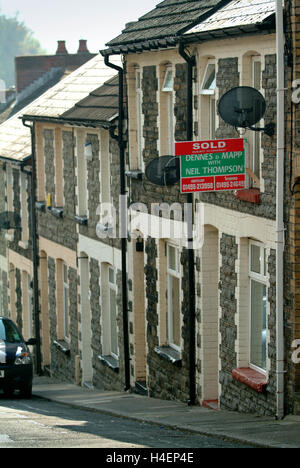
164	171
9	220
244	107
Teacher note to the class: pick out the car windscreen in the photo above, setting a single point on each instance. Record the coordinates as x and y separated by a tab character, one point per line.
9	333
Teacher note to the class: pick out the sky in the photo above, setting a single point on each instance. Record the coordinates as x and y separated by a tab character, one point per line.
97	21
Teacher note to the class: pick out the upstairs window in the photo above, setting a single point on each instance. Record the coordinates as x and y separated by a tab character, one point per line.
139	117
168	92
208	102
209	81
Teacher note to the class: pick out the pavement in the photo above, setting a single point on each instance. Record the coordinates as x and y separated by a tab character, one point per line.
263	432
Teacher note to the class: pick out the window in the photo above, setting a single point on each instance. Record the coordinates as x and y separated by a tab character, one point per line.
113	333
24	208
9	194
9	333
65	286
258	308
168	98
257	84
209	81
173	293
59	168
208	102
139	117
29	307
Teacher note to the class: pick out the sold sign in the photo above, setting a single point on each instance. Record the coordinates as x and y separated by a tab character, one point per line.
213	165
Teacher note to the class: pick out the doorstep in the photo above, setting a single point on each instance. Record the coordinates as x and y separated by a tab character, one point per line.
211	404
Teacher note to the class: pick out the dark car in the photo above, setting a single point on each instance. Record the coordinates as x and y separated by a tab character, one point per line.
16	367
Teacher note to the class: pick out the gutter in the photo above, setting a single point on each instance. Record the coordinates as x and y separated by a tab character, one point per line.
35	253
191	257
123	218
280	229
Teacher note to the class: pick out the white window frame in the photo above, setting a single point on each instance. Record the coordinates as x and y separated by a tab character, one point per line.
170	275
29	306
112	286
9	198
203	89
66	308
169	90
139	117
262	279
24	209
209	95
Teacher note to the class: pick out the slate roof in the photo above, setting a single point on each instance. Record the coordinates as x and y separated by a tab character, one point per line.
102	105
15	139
164	24
71	90
238	13
175	20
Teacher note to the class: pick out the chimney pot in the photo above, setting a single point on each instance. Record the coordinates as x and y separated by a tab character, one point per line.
61	48
83	47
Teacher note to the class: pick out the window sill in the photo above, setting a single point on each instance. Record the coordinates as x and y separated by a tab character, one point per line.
109	362
63	347
250	377
23	244
249	195
41	206
82	220
169	354
138	175
57	212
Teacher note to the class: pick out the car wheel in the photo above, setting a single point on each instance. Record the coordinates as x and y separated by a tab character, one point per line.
26	391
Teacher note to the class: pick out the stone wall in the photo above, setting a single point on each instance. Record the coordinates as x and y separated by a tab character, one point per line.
236	396
63	363
94	188
103	375
61	230
228	77
164	379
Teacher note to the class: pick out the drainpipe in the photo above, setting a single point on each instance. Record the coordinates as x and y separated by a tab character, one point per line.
35	253
191	259
123	218
279	213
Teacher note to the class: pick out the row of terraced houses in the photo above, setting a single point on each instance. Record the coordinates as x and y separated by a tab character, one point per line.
112	304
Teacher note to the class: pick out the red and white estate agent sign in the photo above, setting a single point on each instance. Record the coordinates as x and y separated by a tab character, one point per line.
211	166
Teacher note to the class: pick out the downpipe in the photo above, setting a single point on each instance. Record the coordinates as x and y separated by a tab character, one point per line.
191	255
280	230
123	212
35	252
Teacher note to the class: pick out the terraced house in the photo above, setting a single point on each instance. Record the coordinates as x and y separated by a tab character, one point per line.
119	301
41	303
180	59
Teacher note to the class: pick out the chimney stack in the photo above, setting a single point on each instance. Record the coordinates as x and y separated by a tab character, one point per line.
83	47
61	48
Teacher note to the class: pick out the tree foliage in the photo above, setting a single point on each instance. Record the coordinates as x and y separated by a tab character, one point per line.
15	40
